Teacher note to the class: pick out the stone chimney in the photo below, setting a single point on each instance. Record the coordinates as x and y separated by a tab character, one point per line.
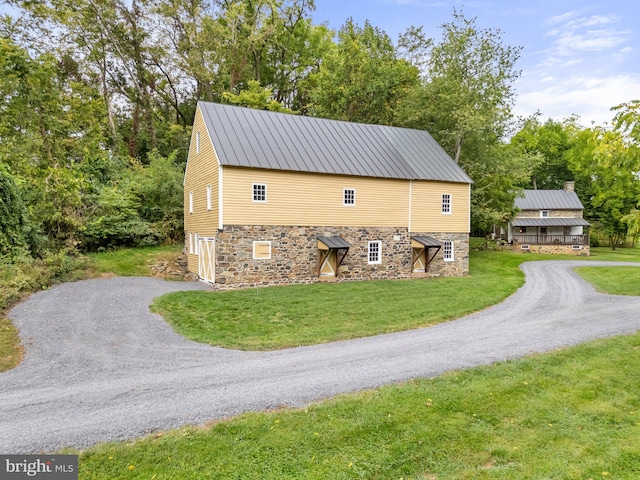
569	186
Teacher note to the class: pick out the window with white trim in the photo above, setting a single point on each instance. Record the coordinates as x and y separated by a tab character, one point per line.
259	192
197	142
349	197
544	213
191	243
196	247
190	202
208	197
447	251
262	250
374	252
446	204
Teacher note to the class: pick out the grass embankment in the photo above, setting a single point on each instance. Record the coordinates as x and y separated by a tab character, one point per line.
131	261
571	414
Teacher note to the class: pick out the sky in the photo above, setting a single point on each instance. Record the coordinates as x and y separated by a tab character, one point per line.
578	57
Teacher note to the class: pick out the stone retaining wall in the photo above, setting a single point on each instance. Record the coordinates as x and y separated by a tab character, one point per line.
294	255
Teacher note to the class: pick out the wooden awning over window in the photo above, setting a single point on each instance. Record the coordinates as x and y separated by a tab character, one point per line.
332	250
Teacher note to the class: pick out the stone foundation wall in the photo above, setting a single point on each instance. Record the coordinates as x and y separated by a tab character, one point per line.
585	251
294	255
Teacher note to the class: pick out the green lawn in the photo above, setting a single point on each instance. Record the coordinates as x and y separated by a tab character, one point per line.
570	414
613	280
282	317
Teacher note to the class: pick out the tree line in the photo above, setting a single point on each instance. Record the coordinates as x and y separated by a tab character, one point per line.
98	98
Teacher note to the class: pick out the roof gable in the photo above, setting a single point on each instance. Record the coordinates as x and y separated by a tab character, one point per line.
251	138
549	200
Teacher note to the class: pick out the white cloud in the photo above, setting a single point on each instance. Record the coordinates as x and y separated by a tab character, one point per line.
573	35
590	98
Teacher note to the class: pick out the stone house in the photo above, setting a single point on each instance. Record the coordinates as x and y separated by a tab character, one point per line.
273	198
550	221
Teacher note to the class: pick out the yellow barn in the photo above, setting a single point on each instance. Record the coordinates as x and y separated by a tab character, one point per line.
273	198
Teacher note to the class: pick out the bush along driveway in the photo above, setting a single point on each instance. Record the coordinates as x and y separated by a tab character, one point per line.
99	366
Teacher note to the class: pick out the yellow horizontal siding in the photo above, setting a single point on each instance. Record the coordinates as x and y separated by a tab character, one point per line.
426	207
202	170
296	198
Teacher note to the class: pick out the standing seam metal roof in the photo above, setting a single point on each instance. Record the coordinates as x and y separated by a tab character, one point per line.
549	200
245	137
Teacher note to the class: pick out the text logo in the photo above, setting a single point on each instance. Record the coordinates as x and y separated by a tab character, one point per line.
45	467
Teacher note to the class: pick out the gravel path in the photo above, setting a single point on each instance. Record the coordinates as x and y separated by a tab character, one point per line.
100	366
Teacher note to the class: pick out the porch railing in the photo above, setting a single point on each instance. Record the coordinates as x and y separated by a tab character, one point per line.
552	239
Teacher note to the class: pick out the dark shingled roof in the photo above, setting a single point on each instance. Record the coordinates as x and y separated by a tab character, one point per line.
550	222
245	137
549	200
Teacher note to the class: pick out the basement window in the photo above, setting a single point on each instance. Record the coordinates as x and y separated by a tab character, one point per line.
374	252
447	251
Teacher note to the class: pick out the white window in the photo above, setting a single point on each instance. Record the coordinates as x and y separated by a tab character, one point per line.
191	243
544	213
197	142
262	250
259	192
190	202
196	248
448	251
349	197
446	204
374	253
208	197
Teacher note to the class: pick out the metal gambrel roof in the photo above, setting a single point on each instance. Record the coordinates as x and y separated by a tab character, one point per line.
550	222
245	137
549	200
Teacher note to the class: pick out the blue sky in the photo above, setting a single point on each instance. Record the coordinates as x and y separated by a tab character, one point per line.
579	56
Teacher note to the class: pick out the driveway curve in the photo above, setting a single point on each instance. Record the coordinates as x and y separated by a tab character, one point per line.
100	366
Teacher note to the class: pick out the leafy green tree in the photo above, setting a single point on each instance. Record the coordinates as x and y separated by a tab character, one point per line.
14	226
607	163
295	55
256	97
549	141
465	102
468	93
362	79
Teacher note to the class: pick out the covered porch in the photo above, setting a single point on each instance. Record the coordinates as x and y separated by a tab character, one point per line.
549	231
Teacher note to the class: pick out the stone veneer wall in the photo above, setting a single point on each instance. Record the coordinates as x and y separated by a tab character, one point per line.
294	255
552	213
585	251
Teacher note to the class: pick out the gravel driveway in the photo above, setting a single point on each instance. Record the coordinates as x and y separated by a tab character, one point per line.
100	366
